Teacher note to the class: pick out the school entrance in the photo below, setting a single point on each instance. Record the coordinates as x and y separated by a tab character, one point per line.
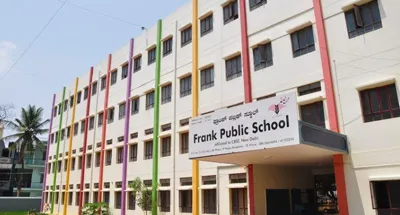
293	167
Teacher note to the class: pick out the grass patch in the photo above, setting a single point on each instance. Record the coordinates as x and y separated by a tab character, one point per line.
14	213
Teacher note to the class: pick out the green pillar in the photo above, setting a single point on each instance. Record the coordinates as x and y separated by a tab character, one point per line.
156	127
55	166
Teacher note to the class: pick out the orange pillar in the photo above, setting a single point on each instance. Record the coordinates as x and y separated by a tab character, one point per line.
340	184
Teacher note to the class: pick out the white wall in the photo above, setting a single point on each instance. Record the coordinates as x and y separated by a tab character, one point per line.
364	61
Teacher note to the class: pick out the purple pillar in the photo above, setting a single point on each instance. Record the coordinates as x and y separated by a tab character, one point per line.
126	129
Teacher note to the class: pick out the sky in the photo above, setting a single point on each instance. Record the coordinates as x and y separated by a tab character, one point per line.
81	35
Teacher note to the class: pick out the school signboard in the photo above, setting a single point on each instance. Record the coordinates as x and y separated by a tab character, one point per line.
258	125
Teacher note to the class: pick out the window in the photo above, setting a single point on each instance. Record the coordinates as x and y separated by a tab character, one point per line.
166	127
135	106
124	72
313	113
41	178
62	134
57	194
148	150
167	47
114	76
76	127
238	201
55	111
65	165
166	146
266	97
103	82
309	88
118	200
165	182
86	197
231	12
106	197
68	131
363	19
237	178
66	105
262	56
76	198
380	103
82	126
186	36
147	207
88	161
73	164
79	97
207	78
150	100
210	201
133	152
121	111
131	200
97	159
256	3
100	119
206	25
71	101
110	115
166	93
95	196
108	157
59	109
303	41
80	162
70	198
185	201
94	88
386	197
49	168
119	155
91	123
186	86
233	68
164	200
85	93
184	143
137	63
210	179
151	56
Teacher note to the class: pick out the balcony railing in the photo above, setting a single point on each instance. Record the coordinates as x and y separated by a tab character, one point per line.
31	161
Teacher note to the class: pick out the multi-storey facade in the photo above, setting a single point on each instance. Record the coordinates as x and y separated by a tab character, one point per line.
340	57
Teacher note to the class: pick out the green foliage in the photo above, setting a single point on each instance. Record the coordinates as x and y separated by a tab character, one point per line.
142	194
93	209
34	212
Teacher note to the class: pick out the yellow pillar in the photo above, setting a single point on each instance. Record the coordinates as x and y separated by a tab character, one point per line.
71	137
195	102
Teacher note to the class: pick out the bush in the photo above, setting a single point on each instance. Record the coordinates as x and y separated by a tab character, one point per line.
93	209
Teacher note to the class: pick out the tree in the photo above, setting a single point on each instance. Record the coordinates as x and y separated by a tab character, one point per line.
6	111
28	130
142	194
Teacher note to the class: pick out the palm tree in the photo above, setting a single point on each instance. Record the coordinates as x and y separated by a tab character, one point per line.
28	130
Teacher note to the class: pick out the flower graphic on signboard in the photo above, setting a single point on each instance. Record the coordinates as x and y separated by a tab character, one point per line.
278	107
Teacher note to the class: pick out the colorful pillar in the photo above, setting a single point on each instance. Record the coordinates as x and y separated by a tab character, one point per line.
85	136
195	100
331	106
247	91
71	137
126	129
156	127
104	129
47	153
57	151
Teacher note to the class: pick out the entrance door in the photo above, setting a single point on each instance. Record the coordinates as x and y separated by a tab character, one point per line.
278	202
303	201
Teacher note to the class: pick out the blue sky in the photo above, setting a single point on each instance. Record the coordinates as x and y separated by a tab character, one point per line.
75	40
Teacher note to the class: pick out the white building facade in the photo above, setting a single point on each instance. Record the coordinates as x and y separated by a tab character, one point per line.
340	57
